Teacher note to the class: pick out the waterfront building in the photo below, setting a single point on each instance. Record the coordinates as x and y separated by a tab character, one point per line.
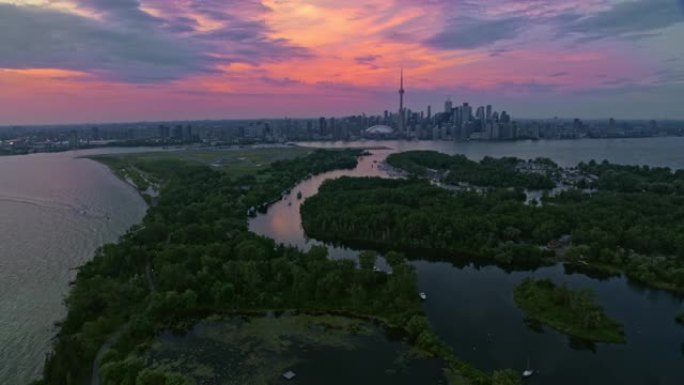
448	106
467	112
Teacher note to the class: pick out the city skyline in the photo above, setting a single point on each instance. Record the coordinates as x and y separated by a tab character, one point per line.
77	61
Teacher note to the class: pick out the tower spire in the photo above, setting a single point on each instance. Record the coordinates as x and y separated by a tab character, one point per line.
402	114
401	82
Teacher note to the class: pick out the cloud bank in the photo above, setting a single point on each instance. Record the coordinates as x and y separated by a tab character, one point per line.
315	57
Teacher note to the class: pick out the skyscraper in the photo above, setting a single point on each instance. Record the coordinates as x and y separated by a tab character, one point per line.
467	113
480	114
488	116
402	115
448	106
457	119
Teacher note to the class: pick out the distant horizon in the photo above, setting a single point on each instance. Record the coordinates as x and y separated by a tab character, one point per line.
123	122
103	62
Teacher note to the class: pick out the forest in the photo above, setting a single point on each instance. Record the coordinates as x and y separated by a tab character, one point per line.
193	256
633	179
639	234
573	312
489	172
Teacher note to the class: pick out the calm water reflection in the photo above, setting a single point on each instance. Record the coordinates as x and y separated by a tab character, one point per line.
55	210
473	309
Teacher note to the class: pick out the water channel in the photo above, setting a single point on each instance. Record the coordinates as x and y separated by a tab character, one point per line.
472	308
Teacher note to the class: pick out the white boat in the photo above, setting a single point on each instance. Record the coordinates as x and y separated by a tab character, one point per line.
528	372
422	296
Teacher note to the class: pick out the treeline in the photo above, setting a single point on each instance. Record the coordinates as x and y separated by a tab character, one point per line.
573	312
193	256
281	175
489	172
640	234
412	214
680	317
630	179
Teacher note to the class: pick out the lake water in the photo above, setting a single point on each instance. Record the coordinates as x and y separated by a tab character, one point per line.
472	308
55	211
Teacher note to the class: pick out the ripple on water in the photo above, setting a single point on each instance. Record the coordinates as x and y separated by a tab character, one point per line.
54	212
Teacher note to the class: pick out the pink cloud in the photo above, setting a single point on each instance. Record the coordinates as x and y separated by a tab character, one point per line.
212	58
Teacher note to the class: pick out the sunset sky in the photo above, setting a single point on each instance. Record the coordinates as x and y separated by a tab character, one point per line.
65	61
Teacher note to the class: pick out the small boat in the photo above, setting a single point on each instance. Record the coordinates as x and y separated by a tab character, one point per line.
422	296
289	375
528	372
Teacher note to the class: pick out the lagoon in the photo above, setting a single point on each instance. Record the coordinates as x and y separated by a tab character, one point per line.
472	308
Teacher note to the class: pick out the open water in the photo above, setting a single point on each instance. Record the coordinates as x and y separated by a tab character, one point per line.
472	308
55	211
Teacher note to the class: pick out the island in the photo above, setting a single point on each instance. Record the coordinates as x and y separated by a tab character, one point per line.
572	312
192	274
514	213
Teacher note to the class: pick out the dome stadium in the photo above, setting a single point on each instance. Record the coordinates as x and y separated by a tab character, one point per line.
380	130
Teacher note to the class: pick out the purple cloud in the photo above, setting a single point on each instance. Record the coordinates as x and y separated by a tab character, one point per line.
368	60
632	19
468	32
130	45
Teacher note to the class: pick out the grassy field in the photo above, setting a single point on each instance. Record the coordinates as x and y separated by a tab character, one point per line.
237	161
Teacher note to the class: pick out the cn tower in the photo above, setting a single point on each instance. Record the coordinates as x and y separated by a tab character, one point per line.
402	115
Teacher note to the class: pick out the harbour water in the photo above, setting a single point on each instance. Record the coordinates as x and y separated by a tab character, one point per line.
472	308
55	211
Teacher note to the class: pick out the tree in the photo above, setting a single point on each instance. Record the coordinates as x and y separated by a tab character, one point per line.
367	259
394	259
318	253
506	377
121	372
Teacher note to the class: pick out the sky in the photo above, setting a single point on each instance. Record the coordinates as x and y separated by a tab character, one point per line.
69	61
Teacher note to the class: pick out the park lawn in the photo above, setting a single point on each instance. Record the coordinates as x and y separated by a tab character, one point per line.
235	161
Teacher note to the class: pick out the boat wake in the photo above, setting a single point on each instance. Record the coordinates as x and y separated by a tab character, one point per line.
55	205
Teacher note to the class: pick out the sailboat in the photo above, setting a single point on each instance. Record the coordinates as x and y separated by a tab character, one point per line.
528	372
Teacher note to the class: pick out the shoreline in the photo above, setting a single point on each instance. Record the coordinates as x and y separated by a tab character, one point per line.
539	301
112	319
91	222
